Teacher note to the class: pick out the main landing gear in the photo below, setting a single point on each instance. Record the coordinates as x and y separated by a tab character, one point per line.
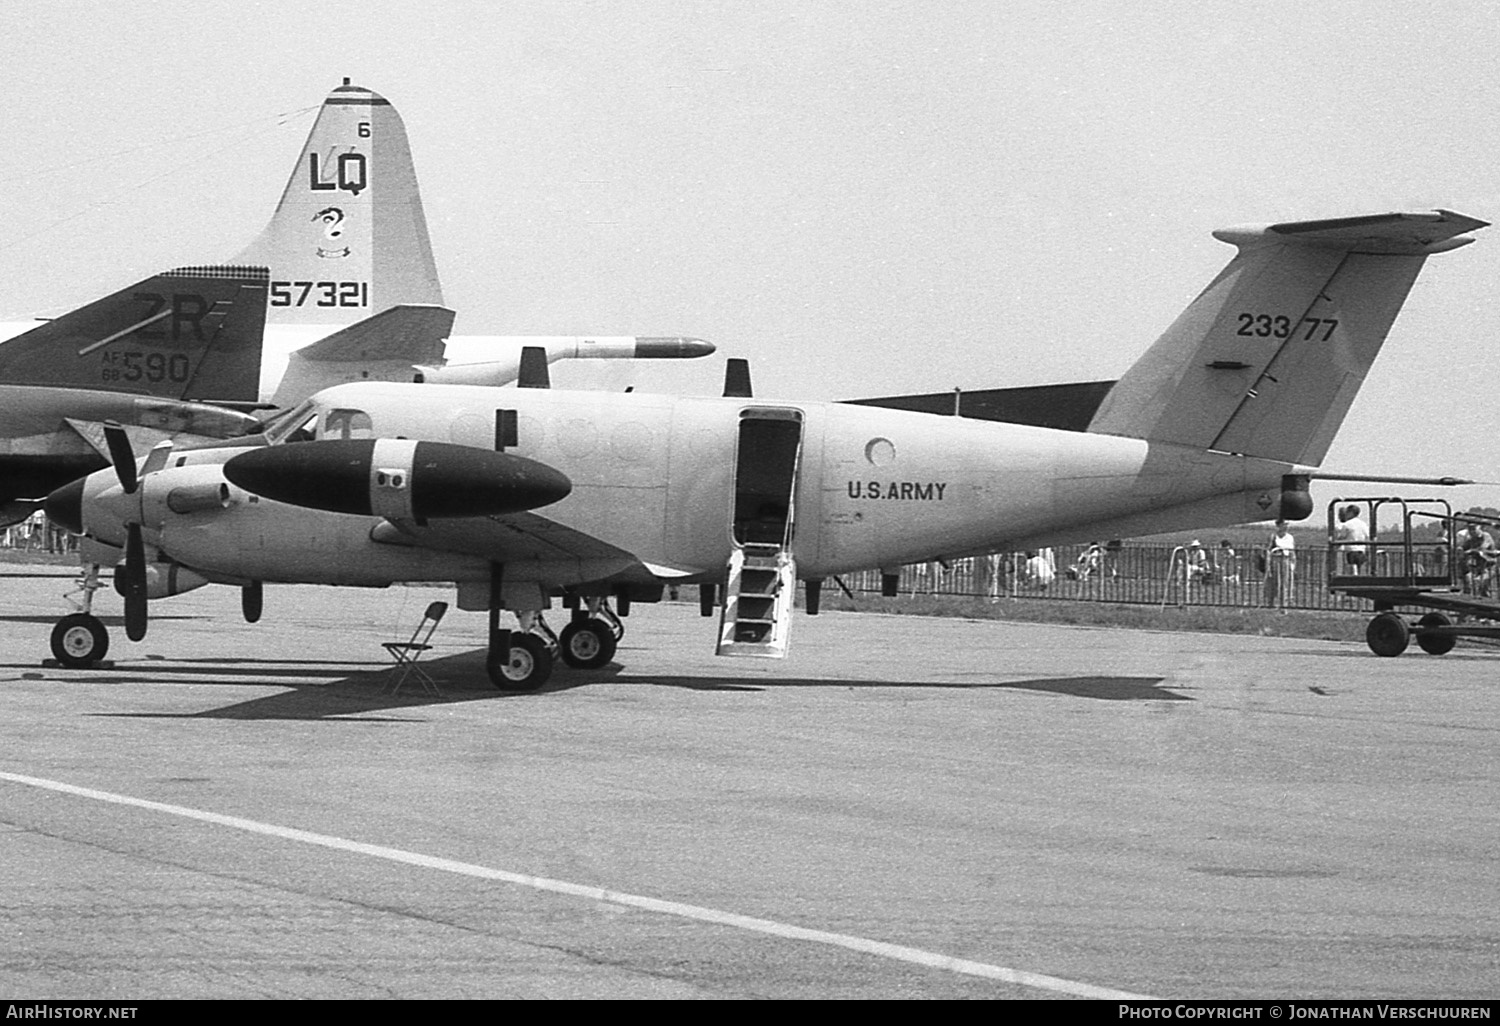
522	659
589	641
80	640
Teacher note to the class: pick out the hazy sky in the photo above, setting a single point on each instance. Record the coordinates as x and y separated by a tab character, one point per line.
862	197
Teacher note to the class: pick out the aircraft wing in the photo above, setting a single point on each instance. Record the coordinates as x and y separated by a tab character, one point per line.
532	547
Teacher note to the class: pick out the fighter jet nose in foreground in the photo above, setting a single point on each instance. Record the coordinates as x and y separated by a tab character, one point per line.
671	348
397	478
64	506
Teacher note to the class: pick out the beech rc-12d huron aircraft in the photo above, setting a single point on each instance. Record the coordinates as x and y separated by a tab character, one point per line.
521	496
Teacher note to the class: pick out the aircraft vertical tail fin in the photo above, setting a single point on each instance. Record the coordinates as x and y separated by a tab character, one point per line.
1267	360
349	237
188	333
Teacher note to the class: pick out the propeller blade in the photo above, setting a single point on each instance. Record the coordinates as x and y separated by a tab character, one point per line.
121	455
134	583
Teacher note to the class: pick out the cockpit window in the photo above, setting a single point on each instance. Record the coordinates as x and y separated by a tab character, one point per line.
294	425
347	424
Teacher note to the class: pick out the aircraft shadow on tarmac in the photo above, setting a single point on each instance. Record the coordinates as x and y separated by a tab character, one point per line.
108	621
329	689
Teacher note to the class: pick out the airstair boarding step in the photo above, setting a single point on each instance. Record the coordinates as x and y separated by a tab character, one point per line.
758	582
756	607
757	602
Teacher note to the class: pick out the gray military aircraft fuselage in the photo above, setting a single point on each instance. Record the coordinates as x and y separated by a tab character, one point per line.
672	484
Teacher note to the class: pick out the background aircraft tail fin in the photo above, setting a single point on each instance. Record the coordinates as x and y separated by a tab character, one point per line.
349	237
188	333
1267	360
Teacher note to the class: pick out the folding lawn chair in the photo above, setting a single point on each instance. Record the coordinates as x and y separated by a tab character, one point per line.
406	653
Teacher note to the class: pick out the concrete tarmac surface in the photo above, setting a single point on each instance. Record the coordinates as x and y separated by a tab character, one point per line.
905	807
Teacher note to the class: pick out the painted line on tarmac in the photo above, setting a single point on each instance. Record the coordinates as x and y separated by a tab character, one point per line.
900	953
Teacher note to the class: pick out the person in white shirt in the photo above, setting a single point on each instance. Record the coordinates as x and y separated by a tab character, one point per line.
1352	533
1199	566
1039	571
1281	566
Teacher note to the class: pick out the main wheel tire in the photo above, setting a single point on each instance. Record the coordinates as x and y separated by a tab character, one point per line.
587	645
527	669
1435	644
79	641
1388	635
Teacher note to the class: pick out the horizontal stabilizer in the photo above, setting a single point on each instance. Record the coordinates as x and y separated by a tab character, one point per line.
410	333
381	348
1411	233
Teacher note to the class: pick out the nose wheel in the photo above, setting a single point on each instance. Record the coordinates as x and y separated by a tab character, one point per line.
79	641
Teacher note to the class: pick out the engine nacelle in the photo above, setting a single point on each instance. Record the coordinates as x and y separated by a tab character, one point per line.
163	580
397	478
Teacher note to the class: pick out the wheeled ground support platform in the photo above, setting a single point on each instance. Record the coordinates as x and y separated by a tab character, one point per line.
1416	560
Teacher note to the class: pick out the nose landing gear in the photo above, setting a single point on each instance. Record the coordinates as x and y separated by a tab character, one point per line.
80	640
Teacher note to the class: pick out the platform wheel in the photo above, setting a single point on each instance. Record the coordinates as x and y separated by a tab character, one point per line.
1435	644
527	669
587	645
79	641
1388	635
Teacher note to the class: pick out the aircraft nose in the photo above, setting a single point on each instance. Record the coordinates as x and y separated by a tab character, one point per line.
64	506
674	348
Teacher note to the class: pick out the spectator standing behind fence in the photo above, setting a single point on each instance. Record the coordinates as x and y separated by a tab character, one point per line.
1087	564
990	571
1352	533
1228	563
1039	571
1281	566
1112	549
1199	567
1478	549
